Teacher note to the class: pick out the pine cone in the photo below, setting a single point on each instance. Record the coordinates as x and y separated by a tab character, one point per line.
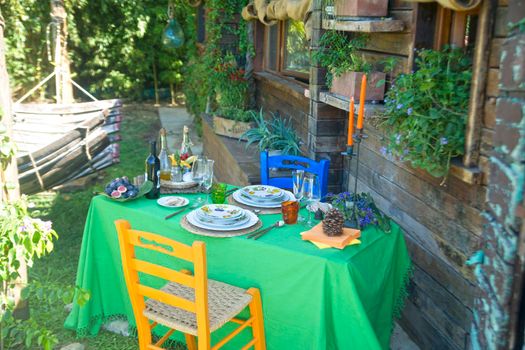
333	223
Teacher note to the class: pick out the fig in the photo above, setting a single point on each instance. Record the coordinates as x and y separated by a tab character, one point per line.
115	194
122	189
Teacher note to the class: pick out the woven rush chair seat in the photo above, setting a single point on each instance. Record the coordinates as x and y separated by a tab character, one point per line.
224	302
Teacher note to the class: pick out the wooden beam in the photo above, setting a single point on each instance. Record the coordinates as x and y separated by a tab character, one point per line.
59	17
479	82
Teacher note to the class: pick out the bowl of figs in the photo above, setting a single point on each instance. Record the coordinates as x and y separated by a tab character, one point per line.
122	190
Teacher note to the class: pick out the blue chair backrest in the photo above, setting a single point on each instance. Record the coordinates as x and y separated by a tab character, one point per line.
293	163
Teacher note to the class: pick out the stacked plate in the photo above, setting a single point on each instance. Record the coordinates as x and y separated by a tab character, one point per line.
262	196
222	217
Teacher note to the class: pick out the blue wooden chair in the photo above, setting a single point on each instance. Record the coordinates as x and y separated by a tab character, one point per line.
293	163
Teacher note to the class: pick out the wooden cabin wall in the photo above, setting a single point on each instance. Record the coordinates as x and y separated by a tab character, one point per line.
442	224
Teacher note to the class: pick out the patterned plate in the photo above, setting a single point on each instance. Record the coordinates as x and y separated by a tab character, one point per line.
239	197
220	211
252	219
262	192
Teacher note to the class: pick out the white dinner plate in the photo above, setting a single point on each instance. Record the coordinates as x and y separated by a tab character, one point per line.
239	197
252	220
173	201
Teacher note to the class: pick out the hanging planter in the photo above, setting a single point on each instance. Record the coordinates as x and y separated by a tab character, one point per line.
361	8
349	85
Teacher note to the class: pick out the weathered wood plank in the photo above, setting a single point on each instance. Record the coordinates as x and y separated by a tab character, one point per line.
423	331
435	196
500	26
238	166
397	44
472	195
438	316
492	82
458	313
495	52
375	59
455	241
442	273
489	113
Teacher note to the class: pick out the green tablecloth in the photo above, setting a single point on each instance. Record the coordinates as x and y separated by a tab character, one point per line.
312	298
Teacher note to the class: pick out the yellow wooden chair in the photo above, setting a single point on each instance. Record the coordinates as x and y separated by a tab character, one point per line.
192	304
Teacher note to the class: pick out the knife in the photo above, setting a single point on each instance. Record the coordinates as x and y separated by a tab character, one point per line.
175	213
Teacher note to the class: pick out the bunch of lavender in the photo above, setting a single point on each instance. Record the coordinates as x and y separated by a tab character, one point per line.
367	211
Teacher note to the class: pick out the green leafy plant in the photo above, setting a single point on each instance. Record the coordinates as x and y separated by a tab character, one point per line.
426	111
22	239
275	134
339	54
216	77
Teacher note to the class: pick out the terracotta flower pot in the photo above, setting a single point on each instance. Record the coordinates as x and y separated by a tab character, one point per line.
361	8
349	84
230	128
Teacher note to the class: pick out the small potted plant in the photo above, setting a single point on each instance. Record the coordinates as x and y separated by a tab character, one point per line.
276	135
231	94
361	8
346	66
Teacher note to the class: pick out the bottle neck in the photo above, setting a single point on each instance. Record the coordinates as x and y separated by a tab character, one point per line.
163	142
153	147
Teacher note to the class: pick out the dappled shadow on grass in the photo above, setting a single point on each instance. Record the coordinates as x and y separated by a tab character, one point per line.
68	212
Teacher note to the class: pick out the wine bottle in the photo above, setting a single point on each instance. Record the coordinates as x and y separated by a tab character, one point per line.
152	171
165	164
185	148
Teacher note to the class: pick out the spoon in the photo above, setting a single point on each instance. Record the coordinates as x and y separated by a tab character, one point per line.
259	234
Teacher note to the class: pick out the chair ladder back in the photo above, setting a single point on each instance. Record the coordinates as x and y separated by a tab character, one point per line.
166	298
293	163
163	272
201	296
160	244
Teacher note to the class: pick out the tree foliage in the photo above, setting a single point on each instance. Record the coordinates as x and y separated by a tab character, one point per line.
112	44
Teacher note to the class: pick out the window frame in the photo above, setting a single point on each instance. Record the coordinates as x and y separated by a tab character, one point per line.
281	51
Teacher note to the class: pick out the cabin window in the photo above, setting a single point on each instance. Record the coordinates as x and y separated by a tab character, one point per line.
286	50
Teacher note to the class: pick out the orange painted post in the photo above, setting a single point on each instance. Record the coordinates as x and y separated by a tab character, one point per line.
201	296
131	276
258	324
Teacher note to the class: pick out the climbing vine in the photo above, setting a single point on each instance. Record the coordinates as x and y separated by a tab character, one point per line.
218	74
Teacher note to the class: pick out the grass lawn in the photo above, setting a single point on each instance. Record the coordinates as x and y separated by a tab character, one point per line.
68	212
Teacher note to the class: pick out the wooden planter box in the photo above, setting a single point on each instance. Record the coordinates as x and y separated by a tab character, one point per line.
349	84
230	128
361	8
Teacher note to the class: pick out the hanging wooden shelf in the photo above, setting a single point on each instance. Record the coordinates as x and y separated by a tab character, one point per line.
367	25
457	169
342	102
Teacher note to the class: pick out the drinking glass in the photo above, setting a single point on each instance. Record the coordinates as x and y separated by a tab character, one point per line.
311	192
198	171
297	182
218	193
208	178
290	210
176	174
